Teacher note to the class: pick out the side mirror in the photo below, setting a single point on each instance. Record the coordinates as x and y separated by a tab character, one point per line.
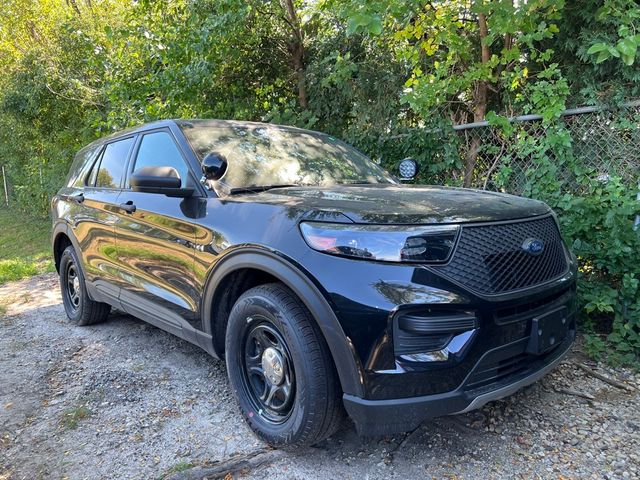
213	166
408	169
163	180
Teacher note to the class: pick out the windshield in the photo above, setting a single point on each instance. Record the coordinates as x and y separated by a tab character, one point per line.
260	155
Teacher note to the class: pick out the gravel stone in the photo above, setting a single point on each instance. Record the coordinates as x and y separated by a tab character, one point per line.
126	400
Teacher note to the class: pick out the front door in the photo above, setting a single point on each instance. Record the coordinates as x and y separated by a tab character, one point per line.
154	236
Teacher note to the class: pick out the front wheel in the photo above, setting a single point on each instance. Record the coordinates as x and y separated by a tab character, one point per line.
280	368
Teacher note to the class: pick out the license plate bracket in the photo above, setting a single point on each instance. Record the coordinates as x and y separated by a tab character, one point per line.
548	330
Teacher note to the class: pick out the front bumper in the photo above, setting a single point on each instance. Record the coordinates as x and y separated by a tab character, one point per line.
381	417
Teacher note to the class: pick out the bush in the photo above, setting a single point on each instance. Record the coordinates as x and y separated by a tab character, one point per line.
598	226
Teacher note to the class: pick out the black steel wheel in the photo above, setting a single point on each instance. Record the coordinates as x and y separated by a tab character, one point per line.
79	307
268	371
280	368
73	286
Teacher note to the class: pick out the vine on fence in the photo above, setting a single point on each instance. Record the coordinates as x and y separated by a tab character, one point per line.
596	214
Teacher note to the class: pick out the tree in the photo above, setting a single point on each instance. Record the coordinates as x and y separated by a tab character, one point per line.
597	48
467	57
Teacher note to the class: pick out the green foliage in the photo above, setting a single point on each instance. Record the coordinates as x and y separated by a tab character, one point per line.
16	269
72	417
442	43
596	216
624	15
391	77
594	346
593	36
24	246
435	149
178	467
598	224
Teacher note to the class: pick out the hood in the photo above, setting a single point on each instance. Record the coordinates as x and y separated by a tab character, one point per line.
407	204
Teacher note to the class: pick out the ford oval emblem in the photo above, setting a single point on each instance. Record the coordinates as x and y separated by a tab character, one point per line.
533	246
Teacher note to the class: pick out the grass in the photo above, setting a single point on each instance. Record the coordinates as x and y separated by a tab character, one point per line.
72	416
178	467
25	245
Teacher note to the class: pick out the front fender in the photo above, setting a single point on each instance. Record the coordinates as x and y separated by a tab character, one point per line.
302	284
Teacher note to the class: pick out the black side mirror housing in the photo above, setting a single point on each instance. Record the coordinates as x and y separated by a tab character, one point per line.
408	169
164	180
214	166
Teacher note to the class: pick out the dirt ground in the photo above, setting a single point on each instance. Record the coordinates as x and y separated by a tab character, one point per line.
125	400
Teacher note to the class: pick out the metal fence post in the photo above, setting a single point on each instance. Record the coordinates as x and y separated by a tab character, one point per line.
636	224
6	192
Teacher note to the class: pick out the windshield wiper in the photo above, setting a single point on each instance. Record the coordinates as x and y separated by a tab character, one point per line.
258	188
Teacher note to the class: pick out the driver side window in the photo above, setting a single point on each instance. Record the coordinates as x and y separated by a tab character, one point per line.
159	150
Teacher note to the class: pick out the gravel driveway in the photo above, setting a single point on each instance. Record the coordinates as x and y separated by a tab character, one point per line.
126	400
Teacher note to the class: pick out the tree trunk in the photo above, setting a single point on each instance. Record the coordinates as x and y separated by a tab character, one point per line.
480	92
74	5
296	47
298	66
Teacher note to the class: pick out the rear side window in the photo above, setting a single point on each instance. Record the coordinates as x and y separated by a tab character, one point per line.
159	150
112	164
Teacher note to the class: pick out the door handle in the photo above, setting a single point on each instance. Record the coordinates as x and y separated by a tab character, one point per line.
79	198
128	207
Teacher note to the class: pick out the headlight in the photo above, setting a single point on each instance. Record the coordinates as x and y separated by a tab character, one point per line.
395	243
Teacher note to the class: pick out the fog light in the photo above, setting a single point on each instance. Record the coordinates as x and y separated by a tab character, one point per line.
454	348
408	169
432	337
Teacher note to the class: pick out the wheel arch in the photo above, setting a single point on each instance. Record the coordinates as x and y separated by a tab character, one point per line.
286	271
62	237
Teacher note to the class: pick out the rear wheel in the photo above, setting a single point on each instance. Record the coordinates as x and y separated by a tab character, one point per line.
280	368
80	309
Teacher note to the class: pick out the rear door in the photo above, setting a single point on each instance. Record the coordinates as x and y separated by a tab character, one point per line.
94	225
155	237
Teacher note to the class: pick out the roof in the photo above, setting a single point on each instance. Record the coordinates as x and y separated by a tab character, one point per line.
234	123
182	123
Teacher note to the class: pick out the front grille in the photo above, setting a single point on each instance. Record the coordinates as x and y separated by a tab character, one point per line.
490	259
524	311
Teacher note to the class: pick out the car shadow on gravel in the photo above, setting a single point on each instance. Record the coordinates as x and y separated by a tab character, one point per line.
124	399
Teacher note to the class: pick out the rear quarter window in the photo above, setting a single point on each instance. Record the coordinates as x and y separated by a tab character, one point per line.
80	167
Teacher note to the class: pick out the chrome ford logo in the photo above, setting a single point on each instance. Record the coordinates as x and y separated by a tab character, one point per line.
533	246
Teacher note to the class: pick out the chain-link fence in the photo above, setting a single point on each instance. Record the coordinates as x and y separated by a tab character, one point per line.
604	142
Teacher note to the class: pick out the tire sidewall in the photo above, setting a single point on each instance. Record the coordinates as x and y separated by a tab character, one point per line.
292	429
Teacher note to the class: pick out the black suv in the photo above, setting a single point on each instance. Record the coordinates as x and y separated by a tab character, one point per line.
324	282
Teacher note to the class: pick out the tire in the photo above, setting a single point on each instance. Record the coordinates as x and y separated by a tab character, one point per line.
305	406
80	309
